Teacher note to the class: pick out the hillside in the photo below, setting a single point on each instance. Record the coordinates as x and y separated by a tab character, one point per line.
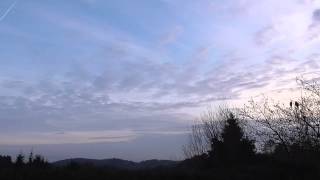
118	163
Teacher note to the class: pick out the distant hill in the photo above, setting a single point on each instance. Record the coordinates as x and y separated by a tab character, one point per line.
118	163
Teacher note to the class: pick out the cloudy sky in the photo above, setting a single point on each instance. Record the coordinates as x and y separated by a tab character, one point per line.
123	78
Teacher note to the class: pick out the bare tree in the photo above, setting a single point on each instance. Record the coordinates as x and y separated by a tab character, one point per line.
197	143
293	125
205	131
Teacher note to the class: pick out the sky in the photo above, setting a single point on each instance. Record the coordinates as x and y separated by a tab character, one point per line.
127	79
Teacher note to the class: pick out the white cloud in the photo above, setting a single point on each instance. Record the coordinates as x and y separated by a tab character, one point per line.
68	137
117	77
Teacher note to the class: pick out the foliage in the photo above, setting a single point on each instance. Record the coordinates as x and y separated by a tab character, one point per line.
233	148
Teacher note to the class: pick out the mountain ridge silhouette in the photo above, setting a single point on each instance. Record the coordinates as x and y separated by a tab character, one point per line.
117	163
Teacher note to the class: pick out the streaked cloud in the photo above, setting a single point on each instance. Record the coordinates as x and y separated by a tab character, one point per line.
7	11
95	67
73	137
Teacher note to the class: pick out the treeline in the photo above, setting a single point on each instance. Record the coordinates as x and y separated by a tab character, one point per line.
33	161
230	148
263	140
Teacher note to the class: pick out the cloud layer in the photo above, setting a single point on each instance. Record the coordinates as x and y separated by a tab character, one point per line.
95	69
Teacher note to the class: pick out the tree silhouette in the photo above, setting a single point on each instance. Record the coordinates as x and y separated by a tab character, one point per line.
204	133
234	147
19	160
290	132
5	161
30	159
